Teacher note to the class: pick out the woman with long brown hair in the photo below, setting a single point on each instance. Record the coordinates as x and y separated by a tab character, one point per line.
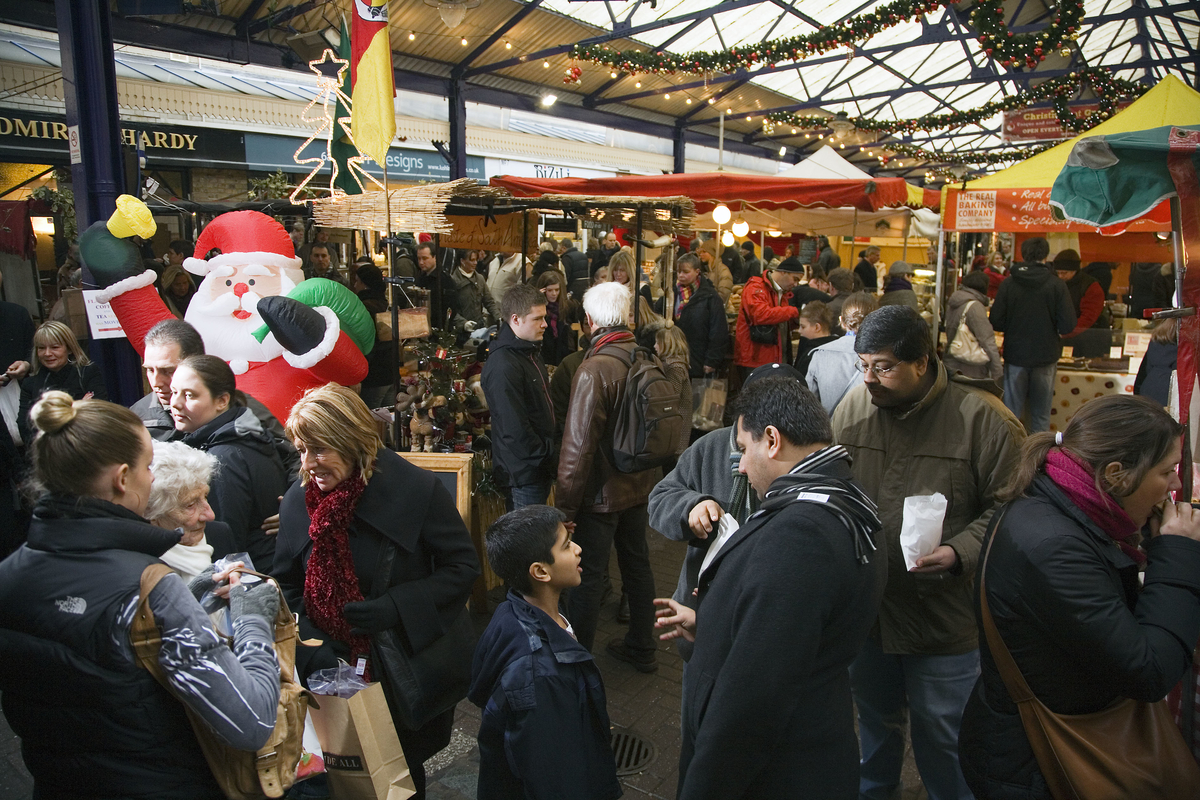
1089	510
559	339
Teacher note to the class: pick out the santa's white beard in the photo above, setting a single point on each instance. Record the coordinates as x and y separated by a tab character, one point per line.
224	335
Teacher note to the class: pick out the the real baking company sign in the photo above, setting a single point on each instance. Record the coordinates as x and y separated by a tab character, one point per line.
976	211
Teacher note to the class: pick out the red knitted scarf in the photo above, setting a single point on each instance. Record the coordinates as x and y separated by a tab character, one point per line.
330	582
1079	482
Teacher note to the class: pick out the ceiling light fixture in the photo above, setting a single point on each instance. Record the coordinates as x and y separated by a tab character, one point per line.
667	96
412	35
841	125
452	12
774	234
712	100
545	65
782	151
727	238
508	45
464	41
549	100
688	101
612	74
721	214
740	228
637	85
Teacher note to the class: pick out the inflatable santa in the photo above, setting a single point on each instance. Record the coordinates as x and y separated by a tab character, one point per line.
281	334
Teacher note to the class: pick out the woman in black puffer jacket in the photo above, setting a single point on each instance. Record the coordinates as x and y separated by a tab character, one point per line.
1062	584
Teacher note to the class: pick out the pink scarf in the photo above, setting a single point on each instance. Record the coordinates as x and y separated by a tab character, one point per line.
1079	482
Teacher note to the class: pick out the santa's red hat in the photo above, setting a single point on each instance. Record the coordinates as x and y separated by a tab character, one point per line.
243	237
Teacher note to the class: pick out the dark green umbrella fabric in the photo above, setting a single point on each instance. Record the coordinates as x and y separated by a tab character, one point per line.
1109	180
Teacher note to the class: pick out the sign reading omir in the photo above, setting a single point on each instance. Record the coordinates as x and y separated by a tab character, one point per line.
47	129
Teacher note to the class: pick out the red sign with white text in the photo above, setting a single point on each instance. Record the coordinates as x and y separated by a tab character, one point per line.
1041	124
1017	210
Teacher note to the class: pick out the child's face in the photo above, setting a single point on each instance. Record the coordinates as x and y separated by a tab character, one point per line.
565	572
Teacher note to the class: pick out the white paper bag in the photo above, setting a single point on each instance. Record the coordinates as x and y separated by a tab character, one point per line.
921	531
10	402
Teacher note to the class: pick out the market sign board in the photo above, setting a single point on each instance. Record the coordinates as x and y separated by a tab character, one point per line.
1015	210
48	139
502	232
1041	124
267	153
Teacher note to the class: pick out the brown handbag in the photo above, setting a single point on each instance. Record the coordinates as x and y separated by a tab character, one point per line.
1128	751
241	774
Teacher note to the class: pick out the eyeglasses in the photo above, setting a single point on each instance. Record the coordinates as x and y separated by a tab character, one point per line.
879	372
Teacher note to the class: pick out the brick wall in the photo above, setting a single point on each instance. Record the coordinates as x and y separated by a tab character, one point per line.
213	185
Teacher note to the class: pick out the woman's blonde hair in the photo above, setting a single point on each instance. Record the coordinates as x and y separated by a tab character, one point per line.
600	276
621	260
336	418
77	439
51	333
672	345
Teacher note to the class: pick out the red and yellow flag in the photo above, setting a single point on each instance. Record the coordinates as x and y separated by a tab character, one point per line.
373	117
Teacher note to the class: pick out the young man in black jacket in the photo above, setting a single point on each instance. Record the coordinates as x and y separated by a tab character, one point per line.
517	389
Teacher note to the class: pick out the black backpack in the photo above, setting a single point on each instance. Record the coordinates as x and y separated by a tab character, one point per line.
649	421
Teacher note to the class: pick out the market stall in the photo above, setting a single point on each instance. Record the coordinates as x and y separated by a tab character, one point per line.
1017	200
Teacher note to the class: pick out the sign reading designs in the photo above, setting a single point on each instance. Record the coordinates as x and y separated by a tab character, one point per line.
269	153
42	137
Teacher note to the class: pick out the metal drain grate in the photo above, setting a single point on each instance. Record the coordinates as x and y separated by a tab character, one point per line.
632	752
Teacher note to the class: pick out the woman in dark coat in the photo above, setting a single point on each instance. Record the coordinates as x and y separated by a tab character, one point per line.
1161	359
58	363
212	415
559	340
367	501
1062	584
700	313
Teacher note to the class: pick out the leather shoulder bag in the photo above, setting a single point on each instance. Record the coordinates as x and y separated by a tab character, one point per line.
1128	751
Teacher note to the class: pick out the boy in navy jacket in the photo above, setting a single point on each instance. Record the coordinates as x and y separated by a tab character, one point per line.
545	730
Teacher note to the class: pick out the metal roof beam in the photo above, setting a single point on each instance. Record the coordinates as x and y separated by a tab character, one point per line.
280	17
511	23
590	100
728	5
243	22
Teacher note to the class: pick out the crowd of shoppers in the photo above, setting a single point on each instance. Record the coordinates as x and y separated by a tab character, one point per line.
796	607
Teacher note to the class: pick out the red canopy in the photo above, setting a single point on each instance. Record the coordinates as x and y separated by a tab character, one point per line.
708	189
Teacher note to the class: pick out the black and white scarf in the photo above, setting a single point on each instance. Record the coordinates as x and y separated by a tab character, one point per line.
842	498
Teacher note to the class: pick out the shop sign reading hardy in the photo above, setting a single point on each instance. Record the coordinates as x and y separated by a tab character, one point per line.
38	136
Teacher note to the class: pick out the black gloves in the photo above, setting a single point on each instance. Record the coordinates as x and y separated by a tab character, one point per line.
371	616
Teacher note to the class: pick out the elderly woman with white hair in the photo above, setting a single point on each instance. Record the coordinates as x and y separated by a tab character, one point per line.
179	501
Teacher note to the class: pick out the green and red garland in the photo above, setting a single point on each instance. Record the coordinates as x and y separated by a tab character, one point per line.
998	41
1108	89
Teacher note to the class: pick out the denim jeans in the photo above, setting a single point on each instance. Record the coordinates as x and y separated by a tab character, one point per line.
1032	386
520	496
935	690
597	534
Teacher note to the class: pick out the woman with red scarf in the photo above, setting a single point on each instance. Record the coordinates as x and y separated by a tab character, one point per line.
358	503
1089	510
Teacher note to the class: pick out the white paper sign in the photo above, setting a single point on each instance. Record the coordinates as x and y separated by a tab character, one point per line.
73	143
100	317
1137	342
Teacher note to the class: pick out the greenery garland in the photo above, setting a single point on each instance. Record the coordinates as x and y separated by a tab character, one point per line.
1109	92
988	18
900	149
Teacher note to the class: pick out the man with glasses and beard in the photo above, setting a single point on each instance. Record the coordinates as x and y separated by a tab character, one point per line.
912	430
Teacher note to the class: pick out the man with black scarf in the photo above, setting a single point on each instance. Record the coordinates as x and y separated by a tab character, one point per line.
786	601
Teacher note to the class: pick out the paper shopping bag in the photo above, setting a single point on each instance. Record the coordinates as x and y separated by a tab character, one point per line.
362	753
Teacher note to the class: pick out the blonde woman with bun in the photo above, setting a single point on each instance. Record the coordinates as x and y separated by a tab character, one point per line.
57	363
92	722
831	366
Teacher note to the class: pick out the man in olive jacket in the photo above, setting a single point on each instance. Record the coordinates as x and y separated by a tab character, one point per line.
607	506
913	430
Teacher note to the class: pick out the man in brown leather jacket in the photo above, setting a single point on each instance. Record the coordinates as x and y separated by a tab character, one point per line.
608	507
